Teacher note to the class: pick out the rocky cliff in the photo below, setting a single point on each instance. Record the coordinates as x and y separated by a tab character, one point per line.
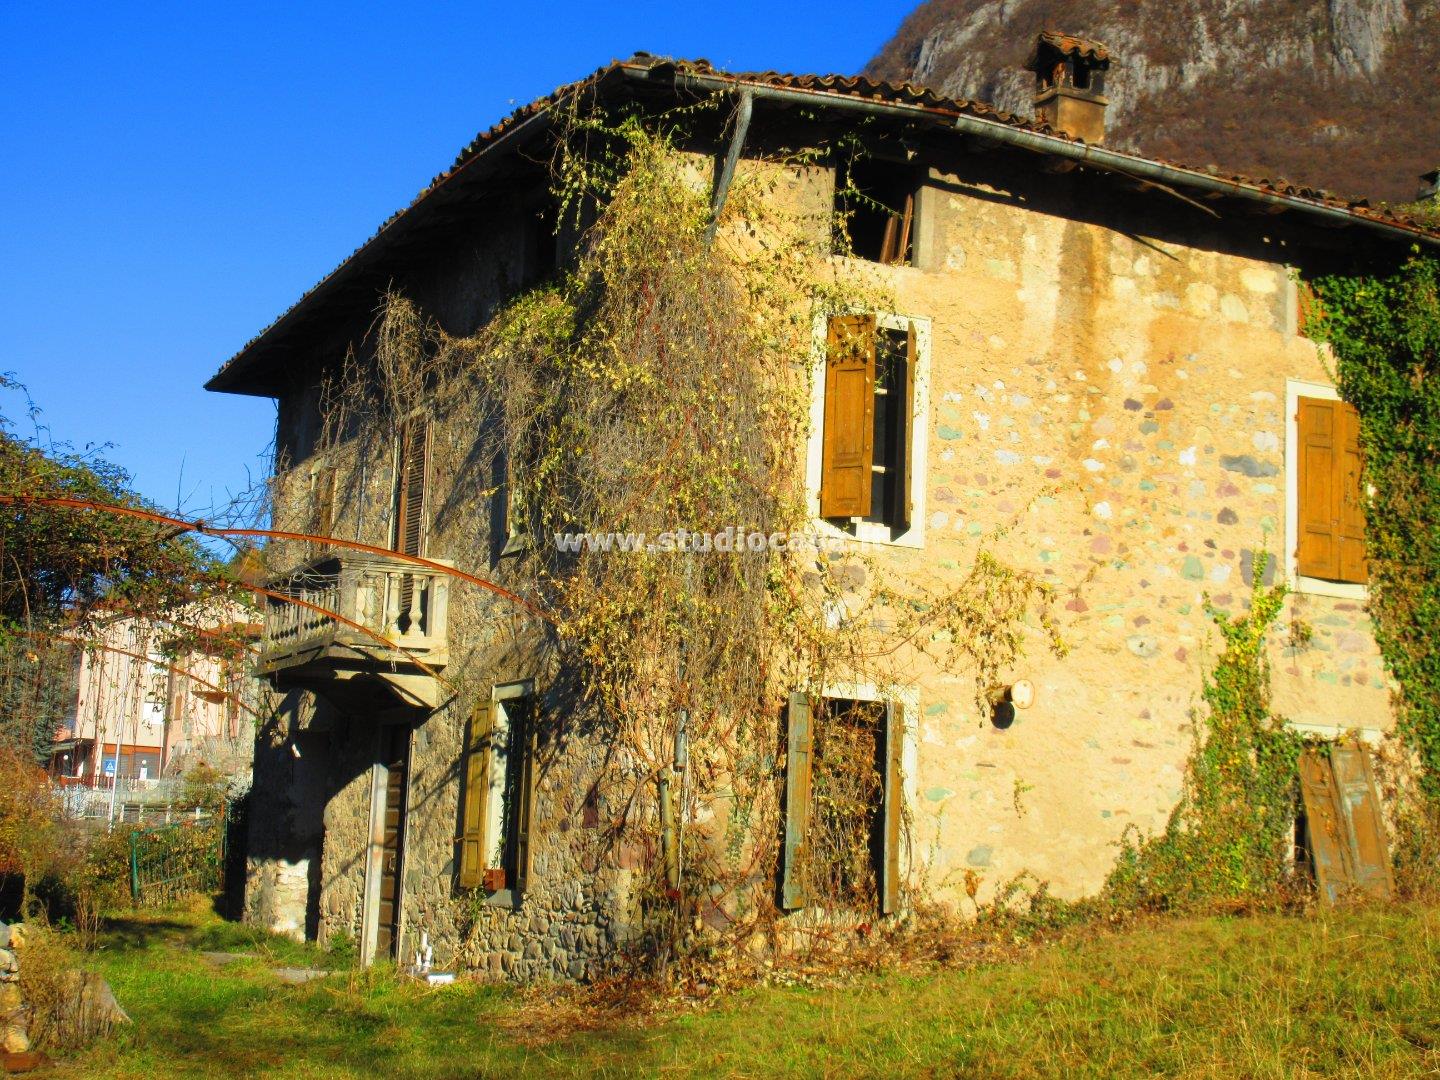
1341	94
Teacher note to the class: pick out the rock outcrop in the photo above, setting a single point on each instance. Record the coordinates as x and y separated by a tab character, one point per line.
1341	94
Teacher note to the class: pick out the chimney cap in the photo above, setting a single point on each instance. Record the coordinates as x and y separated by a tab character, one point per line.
1066	45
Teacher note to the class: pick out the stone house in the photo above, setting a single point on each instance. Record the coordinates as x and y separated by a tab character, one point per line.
1098	355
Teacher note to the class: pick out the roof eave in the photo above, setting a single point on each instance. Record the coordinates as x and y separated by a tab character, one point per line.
1099	157
238	375
245	374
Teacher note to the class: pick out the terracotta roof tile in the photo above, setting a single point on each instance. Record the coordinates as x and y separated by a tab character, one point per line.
1070	45
848	86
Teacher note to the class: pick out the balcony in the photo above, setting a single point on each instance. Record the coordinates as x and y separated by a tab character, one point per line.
391	629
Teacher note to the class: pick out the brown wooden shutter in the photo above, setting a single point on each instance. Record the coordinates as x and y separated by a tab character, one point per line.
1342	812
799	742
1318	551
1331	493
1358	802
895	245
849	435
524	731
410	487
1352	499
476	804
894	803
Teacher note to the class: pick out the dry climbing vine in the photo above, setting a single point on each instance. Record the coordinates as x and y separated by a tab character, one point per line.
659	383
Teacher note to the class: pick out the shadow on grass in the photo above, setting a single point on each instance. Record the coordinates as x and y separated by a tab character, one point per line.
129	935
197	926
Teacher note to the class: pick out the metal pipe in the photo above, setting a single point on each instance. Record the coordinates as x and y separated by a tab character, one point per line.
1096	156
732	158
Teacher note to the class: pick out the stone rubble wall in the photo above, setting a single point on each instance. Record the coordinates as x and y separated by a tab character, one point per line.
1105	385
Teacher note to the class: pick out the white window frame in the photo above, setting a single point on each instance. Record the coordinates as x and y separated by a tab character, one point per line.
908	698
1313	729
870	532
1295	389
493	842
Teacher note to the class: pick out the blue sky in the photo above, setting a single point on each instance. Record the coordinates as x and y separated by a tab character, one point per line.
176	176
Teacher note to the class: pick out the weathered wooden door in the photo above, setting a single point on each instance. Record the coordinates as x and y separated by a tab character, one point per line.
396	747
1346	834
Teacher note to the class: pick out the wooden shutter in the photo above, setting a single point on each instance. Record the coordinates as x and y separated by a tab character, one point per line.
849	435
1342	811
410	487
1358	803
904	510
799	742
324	501
894	803
1307	306
1352	499
895	245
476	801
1331	499
1318	554
1316	792
524	729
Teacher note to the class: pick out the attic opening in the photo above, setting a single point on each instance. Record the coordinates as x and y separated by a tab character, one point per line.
539	257
875	210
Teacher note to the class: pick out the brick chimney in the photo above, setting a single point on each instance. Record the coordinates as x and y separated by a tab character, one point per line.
1070	84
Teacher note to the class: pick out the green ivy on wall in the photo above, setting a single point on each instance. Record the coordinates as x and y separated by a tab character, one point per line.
1384	328
1229	838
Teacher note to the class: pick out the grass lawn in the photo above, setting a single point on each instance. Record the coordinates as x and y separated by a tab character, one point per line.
1348	994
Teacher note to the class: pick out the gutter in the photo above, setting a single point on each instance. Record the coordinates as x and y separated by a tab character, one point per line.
1083	153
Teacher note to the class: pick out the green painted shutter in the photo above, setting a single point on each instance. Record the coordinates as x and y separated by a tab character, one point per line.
797	801
905	489
475	800
893	803
524	731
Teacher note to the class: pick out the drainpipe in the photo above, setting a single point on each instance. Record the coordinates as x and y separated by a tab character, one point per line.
732	158
996	131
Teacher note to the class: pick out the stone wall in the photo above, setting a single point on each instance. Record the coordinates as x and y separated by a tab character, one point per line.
1113	390
1106	382
14	1023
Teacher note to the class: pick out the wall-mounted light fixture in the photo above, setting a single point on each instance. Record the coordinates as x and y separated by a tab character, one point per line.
1004	700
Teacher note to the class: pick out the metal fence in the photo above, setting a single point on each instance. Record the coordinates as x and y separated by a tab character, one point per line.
169	861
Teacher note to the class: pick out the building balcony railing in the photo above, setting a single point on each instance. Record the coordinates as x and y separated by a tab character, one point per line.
392	617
